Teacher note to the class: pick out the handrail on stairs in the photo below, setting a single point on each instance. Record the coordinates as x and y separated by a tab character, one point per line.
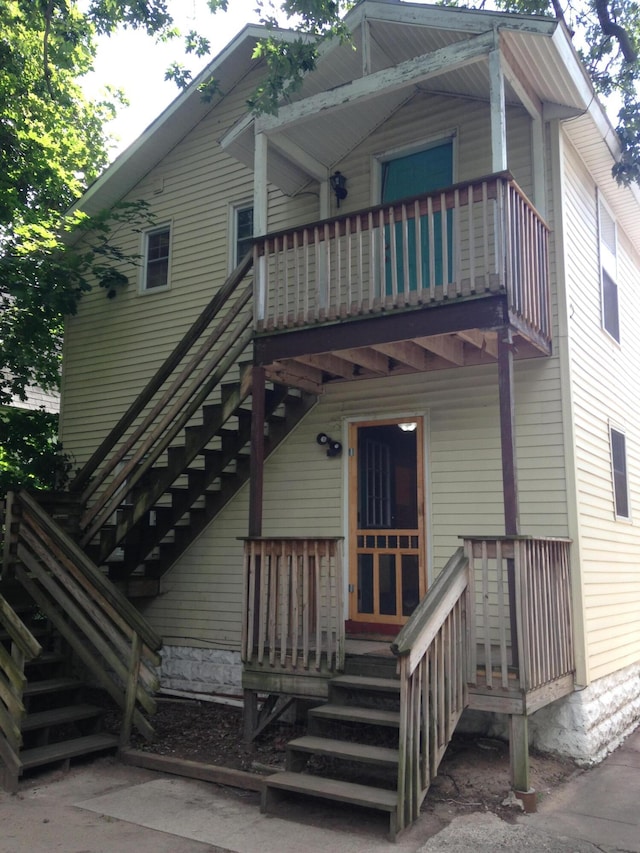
106	632
24	647
432	651
86	480
172	397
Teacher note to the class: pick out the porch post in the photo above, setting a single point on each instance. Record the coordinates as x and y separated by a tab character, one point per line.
256	462
498	113
507	432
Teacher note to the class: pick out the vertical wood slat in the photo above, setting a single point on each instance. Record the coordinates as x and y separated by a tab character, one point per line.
504	239
296	616
430	700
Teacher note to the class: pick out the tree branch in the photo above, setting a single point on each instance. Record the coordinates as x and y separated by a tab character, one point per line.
610	28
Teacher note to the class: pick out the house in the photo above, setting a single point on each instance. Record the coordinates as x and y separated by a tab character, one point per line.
373	383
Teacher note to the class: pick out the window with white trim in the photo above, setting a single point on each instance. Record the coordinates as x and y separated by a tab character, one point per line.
609	272
242	231
619	472
157	255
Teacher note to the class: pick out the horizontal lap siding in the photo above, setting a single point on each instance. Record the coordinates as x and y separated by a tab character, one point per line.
304	496
113	347
606	388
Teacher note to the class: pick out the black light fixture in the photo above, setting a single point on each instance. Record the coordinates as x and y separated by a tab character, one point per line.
334	448
339	186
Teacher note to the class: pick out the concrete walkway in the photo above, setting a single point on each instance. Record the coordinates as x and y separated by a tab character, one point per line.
106	807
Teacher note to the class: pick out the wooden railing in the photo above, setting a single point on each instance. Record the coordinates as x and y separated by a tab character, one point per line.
104	630
522	635
293	612
172	397
23	648
432	651
471	239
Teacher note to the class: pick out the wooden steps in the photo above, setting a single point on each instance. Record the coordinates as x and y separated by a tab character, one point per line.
63	751
351	738
59	723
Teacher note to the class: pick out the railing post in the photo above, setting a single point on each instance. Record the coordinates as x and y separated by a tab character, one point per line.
132	688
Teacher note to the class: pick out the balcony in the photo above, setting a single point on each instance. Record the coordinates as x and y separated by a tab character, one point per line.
477	252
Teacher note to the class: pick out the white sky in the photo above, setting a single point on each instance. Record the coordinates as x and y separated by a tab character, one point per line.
133	62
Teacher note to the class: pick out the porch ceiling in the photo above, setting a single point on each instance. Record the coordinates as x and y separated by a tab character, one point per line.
308	146
310	370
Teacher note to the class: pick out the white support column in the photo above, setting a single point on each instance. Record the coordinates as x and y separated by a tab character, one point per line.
498	116
538	150
260	219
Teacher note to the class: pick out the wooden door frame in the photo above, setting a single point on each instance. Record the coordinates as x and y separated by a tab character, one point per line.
376	623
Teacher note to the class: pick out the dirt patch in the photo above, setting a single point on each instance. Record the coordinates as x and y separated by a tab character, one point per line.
473	775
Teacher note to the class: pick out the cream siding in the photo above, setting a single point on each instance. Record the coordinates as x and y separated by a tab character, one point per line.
606	391
304	495
113	347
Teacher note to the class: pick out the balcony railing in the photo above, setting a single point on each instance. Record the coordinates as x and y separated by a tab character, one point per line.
472	239
521	614
293	613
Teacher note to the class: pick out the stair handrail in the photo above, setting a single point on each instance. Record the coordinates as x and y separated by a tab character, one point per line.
175	418
106	632
434	639
83	479
24	648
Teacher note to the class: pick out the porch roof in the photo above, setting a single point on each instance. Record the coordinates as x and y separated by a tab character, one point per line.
401	49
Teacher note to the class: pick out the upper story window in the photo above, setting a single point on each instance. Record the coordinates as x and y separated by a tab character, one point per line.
619	470
157	252
242	231
609	272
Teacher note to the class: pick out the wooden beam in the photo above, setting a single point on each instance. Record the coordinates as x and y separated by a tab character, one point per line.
410	72
445	346
256	462
406	352
373	361
490	312
498	113
329	363
507	433
480	340
317	170
292	375
519	752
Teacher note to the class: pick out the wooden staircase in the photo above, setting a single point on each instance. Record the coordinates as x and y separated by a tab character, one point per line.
378	740
182	450
353	737
60	719
66	635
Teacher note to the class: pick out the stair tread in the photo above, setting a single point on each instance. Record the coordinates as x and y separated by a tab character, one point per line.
51	685
356	714
365	682
58	716
335	789
345	749
66	749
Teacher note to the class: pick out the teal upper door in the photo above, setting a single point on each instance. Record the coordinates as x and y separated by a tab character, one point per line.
412	175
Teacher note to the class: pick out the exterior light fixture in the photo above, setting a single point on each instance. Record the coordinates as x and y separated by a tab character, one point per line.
339	186
334	448
408	427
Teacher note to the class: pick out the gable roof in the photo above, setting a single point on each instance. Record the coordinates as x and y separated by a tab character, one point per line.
397	41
